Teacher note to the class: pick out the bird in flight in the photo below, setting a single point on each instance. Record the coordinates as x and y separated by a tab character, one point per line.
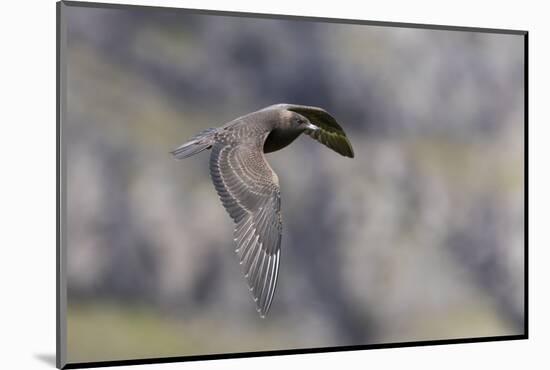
249	188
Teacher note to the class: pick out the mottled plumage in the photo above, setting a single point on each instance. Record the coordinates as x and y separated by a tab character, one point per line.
249	188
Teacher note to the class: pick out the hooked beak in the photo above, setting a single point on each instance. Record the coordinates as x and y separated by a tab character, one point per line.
311	127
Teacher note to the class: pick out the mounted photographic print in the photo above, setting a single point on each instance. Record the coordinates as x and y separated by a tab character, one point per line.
236	184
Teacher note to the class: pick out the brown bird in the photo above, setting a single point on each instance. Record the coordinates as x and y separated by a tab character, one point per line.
249	188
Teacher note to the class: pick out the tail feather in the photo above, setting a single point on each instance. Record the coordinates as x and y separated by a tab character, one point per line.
202	141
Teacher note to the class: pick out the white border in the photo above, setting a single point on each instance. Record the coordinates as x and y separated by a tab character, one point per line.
28	182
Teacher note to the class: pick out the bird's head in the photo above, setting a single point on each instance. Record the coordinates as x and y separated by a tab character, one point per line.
295	121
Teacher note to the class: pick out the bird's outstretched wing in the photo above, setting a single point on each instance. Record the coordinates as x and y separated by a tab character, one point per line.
249	191
330	133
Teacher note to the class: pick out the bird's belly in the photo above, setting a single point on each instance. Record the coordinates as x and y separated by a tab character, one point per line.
278	139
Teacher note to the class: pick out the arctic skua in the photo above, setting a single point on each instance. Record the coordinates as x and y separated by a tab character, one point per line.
249	188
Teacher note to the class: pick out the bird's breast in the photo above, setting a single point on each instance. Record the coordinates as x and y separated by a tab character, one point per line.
278	139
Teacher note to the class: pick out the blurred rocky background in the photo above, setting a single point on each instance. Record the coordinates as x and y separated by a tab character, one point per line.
419	237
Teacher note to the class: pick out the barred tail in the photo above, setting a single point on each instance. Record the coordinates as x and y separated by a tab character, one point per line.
203	140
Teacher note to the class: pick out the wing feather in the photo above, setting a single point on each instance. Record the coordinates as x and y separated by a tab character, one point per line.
250	193
330	133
